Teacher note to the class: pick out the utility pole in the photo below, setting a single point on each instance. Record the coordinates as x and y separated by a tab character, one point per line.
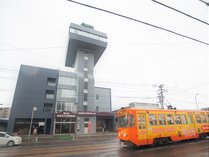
161	96
196	100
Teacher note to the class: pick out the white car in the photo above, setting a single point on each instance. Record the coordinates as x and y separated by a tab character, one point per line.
8	140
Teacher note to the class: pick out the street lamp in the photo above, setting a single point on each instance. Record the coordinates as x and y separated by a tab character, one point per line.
1	108
34	109
196	100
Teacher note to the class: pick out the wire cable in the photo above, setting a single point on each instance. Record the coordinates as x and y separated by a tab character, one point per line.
139	21
180	12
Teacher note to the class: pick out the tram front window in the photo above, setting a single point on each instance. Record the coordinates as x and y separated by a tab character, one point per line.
123	121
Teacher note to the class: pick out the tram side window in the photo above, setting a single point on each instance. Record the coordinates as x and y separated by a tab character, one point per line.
198	119
184	119
123	121
169	119
177	119
208	117
161	118
203	117
132	120
141	121
152	120
190	119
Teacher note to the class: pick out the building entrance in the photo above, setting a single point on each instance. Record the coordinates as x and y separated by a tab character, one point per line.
65	123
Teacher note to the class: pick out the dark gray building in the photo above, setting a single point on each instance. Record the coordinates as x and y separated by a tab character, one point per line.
35	87
67	102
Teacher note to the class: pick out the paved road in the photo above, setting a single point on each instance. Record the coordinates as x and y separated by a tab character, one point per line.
107	148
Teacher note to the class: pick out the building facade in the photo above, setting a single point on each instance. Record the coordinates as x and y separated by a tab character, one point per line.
4	117
4	112
67	102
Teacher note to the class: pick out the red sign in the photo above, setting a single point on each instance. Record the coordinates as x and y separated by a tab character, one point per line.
205	127
89	126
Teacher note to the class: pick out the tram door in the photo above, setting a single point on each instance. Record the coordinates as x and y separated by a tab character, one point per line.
192	126
142	129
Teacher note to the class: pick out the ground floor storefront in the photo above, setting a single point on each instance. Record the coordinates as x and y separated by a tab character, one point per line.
83	122
104	122
78	123
37	125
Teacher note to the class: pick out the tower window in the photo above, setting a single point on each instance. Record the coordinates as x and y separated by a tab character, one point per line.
85	96
97	96
85	85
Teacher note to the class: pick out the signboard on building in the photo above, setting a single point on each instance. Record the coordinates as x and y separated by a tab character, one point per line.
87	25
41	123
86	113
65	115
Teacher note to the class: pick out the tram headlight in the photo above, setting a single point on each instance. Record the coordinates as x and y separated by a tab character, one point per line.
125	135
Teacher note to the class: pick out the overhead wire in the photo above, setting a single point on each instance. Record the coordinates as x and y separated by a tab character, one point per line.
29	52
139	21
180	12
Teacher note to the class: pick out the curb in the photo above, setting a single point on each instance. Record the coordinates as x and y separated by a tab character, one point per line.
49	139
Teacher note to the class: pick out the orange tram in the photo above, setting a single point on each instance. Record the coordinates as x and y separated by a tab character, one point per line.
147	127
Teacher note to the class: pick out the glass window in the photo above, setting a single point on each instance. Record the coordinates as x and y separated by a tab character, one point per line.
169	119
64	80
208	117
85	85
85	69
198	119
184	119
85	57
65	106
59	107
162	120
86	64
51	81
48	107
85	108
152	120
97	108
132	121
2	135
190	119
85	96
66	93
86	119
203	117
87	34
123	121
97	96
85	74
49	94
142	121
177	118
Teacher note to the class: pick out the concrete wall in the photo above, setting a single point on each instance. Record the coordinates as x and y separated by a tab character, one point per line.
103	99
80	72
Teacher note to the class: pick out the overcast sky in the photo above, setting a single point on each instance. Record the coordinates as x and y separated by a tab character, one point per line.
137	58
